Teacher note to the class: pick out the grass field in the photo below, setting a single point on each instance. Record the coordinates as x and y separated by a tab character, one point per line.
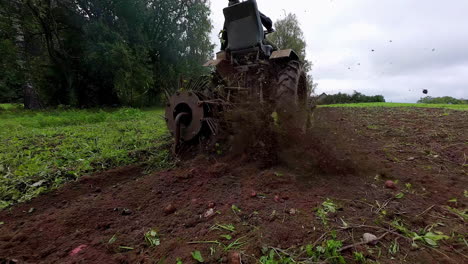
446	106
42	150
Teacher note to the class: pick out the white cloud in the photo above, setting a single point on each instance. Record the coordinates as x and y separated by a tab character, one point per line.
341	35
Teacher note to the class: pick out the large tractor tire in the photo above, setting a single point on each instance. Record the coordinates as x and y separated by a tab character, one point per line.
292	103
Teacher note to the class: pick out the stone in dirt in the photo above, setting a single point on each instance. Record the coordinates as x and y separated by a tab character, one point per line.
369	238
278	199
390	185
170	209
78	250
209	213
234	258
211	205
126	211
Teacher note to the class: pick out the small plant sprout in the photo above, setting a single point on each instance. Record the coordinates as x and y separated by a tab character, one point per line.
359	257
329	250
235	245
179	261
227	237
400	195
274	257
409	186
112	239
235	209
196	255
152	238
430	238
212	250
229	227
462	213
465	193
279	174
394	247
126	248
327	207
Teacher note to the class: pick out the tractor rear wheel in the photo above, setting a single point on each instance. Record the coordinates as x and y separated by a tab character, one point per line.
292	103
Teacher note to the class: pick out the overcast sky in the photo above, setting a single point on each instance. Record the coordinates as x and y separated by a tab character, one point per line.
418	44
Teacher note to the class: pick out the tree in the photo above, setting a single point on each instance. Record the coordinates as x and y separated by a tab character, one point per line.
356	97
441	100
102	52
289	35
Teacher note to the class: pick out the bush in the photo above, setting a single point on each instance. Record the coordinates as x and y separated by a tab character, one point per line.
356	97
441	100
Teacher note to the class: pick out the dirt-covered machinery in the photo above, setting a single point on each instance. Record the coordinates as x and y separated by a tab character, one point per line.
249	71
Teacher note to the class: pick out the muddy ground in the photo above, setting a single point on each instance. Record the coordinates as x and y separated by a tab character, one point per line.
347	158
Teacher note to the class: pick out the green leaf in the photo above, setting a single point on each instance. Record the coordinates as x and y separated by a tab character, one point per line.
235	209
179	261
152	238
112	239
196	255
126	248
430	241
400	195
227	237
436	237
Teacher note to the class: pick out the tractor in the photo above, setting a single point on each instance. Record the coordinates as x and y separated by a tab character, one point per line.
250	71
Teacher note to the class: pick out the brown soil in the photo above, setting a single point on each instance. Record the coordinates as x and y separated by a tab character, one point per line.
347	158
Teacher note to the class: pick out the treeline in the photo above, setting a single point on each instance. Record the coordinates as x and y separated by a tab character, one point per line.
100	52
441	100
356	97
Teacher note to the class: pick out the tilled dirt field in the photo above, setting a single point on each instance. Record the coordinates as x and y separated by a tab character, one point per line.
347	158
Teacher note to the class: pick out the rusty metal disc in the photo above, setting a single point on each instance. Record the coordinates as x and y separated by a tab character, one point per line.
191	125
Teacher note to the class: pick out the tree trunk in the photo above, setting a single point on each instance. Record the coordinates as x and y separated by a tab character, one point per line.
31	97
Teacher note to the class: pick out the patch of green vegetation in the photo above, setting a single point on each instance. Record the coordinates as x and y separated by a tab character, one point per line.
359	257
11	107
152	238
394	247
196	255
329	251
229	227
41	150
463	107
273	258
326	207
237	244
400	195
429	237
463	213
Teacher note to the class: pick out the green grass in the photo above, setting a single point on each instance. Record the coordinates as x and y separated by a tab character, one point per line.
463	107
10	106
40	151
